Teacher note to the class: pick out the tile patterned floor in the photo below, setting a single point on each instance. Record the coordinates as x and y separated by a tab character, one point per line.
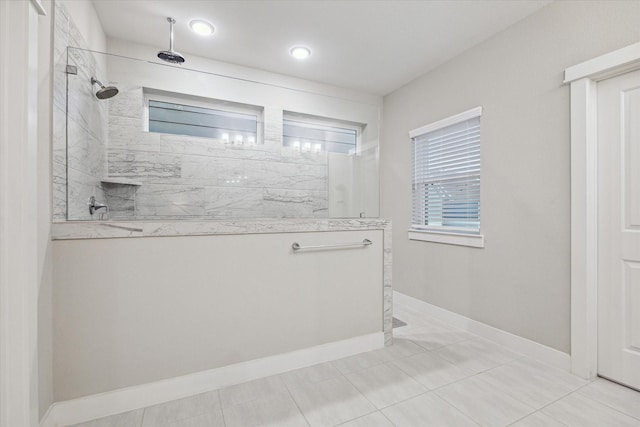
433	375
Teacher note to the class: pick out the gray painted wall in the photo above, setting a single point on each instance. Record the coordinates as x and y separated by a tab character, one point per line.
520	281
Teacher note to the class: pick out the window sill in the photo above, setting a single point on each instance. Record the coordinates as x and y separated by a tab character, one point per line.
471	240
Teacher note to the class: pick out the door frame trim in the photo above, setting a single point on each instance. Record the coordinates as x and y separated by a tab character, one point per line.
583	79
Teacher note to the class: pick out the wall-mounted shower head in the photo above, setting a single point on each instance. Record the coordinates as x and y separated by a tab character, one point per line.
171	55
105	92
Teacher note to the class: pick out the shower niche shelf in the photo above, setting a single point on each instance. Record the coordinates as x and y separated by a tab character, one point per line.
120	181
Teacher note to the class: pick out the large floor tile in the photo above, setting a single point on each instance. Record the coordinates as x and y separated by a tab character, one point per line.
413	316
274	411
533	367
537	419
532	383
577	410
384	385
402	347
331	402
245	392
126	419
166	413
358	362
499	353
433	337
426	410
431	370
311	375
477	355
614	395
375	419
483	403
211	419
473	382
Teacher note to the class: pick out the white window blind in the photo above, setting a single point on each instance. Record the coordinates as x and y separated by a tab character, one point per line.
446	175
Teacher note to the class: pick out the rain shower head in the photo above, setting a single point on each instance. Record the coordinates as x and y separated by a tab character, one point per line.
105	92
171	55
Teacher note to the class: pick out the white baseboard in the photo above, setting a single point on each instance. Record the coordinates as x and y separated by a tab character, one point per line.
140	396
535	350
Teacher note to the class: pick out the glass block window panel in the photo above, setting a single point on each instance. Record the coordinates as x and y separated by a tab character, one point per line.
312	136
181	119
446	175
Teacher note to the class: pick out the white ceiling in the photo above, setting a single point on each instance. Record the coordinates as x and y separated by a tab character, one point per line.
371	46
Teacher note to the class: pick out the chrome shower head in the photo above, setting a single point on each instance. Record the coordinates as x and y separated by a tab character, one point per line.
171	55
105	92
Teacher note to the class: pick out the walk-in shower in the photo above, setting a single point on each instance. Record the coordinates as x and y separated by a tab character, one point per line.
178	144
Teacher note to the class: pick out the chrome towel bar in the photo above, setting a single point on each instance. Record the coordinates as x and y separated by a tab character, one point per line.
296	246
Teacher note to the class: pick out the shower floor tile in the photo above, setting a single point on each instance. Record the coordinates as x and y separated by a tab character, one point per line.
434	374
397	323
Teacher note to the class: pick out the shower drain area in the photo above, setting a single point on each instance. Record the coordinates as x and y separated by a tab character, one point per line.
397	323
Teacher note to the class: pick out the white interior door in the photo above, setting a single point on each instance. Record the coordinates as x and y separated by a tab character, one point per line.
619	229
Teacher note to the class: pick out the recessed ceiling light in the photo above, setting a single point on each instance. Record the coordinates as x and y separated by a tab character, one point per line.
201	27
300	52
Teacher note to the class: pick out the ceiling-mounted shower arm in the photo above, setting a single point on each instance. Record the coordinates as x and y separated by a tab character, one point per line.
171	21
171	55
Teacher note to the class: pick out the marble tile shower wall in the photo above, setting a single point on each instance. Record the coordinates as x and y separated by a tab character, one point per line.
192	177
79	118
179	177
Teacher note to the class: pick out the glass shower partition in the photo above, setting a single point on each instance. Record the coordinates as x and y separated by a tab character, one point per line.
177	143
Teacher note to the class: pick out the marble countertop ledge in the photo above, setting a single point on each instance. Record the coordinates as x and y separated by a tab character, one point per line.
71	230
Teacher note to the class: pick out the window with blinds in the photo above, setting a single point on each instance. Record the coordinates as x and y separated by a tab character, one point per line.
446	175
